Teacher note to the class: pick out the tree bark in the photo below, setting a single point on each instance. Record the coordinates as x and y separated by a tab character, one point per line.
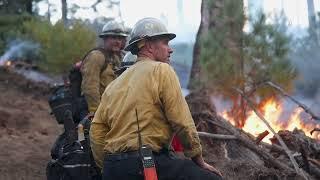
203	28
29	7
311	13
64	12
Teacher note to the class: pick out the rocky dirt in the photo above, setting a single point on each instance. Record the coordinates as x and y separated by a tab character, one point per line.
27	130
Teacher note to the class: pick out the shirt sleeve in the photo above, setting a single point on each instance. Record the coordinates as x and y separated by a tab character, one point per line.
98	131
90	86
177	111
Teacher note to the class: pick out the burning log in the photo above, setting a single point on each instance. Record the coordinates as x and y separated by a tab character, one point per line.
315	129
238	157
246	142
295	164
261	136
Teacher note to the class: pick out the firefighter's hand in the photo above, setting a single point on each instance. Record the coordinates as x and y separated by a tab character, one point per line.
200	162
89	116
86	121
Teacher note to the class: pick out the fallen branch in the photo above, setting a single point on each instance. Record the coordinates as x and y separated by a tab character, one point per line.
315	129
261	136
314	161
314	164
217	136
284	146
246	142
304	107
314	170
216	124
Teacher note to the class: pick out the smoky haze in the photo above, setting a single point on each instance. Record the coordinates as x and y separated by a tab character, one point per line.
27	51
306	58
20	50
307	62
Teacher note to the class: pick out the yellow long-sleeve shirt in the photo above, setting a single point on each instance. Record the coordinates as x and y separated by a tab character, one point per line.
153	89
94	78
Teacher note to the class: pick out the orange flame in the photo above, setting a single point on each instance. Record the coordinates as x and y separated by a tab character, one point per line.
8	63
272	111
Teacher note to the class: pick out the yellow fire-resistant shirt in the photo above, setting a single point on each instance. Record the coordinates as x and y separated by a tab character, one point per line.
153	89
94	78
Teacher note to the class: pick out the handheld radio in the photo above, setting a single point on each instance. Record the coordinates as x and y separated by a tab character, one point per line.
149	167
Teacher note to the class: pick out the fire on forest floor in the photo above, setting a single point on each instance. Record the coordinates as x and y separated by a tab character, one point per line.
273	111
243	157
28	132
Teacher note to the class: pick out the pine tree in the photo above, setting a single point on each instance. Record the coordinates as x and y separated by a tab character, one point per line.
230	57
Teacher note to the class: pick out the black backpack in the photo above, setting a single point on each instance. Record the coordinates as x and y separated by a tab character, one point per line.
68	96
71	159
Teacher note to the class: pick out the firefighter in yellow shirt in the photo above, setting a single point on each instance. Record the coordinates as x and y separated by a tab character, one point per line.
149	94
99	65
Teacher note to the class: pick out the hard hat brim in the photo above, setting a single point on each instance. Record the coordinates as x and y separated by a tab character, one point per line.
132	44
112	34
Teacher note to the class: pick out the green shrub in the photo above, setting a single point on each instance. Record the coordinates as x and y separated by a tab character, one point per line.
60	46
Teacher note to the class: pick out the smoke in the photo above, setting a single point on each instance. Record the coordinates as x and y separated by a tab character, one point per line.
307	63
22	50
28	51
36	76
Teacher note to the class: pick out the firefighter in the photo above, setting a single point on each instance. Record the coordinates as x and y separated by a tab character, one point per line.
147	95
99	65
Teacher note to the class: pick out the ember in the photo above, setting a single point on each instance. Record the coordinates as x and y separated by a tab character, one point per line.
8	63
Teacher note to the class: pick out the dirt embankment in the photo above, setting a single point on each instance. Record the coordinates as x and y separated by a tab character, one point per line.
27	131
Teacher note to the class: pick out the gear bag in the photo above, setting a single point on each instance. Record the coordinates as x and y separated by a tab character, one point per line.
72	159
68	96
73	163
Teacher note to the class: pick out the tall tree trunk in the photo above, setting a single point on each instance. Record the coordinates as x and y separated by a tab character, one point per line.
311	13
29	6
208	13
64	12
225	16
48	11
235	23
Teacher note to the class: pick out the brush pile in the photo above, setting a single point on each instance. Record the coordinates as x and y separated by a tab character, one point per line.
240	155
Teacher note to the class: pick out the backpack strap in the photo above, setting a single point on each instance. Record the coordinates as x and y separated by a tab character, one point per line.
105	54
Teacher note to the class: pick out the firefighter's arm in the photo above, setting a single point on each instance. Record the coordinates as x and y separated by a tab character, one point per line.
98	131
90	86
177	111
